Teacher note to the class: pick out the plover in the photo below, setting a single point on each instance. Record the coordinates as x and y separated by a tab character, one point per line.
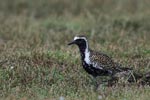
99	64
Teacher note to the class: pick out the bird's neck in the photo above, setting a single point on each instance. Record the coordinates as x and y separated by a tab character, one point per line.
85	53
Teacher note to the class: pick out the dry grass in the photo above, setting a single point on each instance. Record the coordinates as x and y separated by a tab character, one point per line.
36	63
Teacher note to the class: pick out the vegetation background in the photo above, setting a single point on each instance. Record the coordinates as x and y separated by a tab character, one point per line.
37	64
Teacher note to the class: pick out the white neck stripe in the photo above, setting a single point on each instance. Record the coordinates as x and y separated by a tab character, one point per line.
87	52
87	56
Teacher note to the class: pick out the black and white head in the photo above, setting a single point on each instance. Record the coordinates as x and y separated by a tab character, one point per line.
82	43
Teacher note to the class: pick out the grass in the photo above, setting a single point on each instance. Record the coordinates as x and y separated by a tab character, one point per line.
36	63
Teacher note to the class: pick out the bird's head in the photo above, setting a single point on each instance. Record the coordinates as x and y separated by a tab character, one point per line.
81	42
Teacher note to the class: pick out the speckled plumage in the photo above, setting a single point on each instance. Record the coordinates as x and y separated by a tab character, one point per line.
96	63
100	64
102	60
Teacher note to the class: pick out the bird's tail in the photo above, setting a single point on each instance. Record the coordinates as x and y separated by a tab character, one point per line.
133	76
120	68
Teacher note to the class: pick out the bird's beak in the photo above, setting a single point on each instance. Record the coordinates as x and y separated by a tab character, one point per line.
73	42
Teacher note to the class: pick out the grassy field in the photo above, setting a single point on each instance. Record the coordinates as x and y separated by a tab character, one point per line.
37	64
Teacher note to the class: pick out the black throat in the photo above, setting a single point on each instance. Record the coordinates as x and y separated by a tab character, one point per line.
82	49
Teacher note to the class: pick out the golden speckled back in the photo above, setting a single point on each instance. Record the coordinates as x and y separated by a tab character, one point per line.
101	58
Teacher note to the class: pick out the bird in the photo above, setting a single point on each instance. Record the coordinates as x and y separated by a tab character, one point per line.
100	64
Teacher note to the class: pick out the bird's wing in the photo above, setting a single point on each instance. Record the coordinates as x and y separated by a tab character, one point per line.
104	62
101	61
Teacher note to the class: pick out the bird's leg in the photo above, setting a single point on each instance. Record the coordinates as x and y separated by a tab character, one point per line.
112	81
95	83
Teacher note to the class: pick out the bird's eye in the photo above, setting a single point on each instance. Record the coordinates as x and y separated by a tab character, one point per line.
80	41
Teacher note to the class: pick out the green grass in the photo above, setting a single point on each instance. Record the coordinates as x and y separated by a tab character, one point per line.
36	63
